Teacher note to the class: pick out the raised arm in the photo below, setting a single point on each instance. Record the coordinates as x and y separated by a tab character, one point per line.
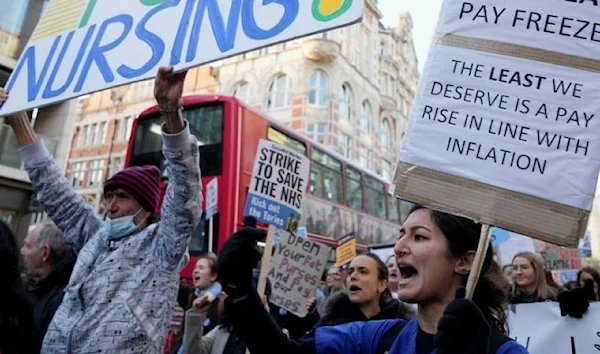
69	211
182	205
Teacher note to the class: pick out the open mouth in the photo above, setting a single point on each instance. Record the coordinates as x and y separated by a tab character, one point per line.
354	288
196	280
407	272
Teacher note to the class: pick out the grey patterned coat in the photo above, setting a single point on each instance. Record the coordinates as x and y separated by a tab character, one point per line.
119	299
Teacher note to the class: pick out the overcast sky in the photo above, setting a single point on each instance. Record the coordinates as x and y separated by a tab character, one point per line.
425	15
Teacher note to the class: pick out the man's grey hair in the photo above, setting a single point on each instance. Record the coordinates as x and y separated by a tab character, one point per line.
50	235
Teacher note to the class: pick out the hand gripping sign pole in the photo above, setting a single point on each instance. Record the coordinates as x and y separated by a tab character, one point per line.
482	248
277	189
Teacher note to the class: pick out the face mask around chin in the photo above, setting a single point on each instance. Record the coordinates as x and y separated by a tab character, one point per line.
120	227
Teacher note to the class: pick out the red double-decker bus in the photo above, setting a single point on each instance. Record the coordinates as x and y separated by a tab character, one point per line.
342	198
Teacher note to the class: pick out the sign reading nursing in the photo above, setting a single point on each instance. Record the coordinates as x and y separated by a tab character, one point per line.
278	186
83	46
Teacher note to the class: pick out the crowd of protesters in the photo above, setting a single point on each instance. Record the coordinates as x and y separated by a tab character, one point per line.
110	283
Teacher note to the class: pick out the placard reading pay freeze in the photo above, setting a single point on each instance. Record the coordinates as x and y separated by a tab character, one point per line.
278	185
505	128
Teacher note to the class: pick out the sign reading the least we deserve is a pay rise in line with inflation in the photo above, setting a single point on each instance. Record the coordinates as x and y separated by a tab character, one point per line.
83	46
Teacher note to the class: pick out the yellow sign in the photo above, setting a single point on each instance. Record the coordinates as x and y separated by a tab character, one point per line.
345	252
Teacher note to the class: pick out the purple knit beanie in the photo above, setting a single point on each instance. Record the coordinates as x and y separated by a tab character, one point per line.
143	183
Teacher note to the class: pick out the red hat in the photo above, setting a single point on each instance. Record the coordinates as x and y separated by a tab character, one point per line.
143	183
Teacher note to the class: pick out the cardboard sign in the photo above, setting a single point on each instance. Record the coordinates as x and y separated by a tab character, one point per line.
83	46
296	271
345	250
562	259
541	329
212	193
505	127
278	185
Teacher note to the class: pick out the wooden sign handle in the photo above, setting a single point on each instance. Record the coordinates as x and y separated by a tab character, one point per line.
484	241
266	261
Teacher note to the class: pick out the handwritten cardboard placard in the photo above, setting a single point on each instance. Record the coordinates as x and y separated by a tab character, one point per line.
295	273
541	329
82	46
505	128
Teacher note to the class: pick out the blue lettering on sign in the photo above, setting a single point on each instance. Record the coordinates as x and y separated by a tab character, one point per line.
48	91
225	37
34	83
156	44
97	51
184	24
94	54
251	27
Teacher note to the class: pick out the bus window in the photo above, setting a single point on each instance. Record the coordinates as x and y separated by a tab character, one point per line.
206	123
281	138
354	189
392	208
375	197
327	173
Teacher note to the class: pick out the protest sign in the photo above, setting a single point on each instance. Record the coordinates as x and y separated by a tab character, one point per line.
278	185
504	129
541	329
345	250
562	259
80	46
296	271
211	198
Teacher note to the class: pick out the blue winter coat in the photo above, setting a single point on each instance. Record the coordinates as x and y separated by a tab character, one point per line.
120	297
263	336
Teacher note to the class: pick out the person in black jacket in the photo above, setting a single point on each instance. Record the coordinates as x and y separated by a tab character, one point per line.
49	261
15	312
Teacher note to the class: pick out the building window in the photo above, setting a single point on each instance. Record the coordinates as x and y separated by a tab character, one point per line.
345	101
84	135
125	129
77	174
116	165
386	134
344	144
240	91
279	92
317	131
366	115
362	156
99	134
386	170
95	173
317	92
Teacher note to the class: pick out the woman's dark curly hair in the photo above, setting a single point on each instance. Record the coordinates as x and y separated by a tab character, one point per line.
491	291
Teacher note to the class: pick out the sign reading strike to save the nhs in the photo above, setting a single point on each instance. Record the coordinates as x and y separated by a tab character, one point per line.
83	46
278	186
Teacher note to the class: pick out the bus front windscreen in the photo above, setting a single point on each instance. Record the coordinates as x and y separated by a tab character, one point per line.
206	123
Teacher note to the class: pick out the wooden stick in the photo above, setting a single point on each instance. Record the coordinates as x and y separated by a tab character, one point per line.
484	241
265	262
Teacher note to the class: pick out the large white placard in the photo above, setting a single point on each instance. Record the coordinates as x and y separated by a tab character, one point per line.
83	46
278	185
541	329
512	123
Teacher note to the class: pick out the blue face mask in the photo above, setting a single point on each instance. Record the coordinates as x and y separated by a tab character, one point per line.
120	227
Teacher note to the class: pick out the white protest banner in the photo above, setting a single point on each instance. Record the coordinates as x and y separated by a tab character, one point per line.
278	185
212	194
505	128
83	46
296	271
541	329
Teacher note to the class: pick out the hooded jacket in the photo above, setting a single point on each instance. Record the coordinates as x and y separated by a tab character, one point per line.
121	294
